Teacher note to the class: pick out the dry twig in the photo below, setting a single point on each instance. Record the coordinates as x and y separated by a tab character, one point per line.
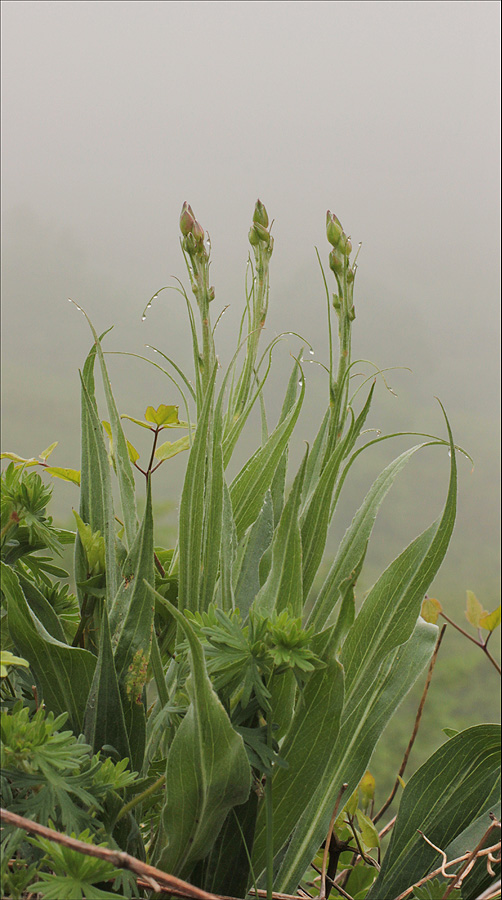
415	728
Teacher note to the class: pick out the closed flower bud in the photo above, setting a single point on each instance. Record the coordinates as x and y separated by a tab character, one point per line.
253	237
334	230
262	232
210	294
198	232
336	261
186	219
260	216
348	247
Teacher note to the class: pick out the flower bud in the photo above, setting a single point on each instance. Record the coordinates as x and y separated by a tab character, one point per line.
334	230
261	232
336	261
210	294
187	221
253	237
260	215
348	247
198	232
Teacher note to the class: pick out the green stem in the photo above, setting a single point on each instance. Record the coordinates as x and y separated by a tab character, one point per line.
158	670
140	797
269	820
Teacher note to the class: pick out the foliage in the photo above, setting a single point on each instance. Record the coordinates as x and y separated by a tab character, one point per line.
221	697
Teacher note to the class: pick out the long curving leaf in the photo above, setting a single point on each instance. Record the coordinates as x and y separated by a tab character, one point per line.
250	485
311	736
246	568
355	541
350	754
207	770
96	500
131	625
64	673
191	522
283	587
213	513
124	471
104	717
454	787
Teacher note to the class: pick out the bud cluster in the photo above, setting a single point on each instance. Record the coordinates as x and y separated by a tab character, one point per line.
341	244
192	231
258	233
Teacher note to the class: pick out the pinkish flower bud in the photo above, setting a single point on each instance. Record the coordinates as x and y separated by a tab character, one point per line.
198	232
186	219
334	230
260	215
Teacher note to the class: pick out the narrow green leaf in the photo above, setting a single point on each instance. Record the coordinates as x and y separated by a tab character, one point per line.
41	608
191	520
448	792
124	471
207	770
96	499
104	717
283	587
349	755
213	512
228	552
311	736
250	485
246	569
64	673
356	538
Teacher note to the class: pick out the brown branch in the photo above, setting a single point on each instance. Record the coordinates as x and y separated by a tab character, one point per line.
415	728
322	892
471	859
331	883
486	852
480	644
117	858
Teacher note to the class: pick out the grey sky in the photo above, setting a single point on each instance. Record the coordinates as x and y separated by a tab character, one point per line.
114	113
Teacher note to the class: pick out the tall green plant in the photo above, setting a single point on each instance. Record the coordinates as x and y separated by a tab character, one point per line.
246	692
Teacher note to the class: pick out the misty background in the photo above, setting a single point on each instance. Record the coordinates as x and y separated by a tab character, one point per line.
387	113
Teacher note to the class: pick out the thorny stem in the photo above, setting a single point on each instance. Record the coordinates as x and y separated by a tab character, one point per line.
481	644
416	726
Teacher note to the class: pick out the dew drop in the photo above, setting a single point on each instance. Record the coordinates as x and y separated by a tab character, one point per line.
300	383
311	352
149	305
143	318
449	453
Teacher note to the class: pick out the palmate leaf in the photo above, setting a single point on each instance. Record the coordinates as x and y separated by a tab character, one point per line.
207	771
458	783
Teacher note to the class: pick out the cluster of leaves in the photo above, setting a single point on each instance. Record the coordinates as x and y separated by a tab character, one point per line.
245	690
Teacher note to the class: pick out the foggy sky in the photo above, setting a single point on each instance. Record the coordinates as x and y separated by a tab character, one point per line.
114	113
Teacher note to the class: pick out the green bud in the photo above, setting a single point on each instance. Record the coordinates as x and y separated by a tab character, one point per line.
198	232
260	215
253	237
187	220
262	232
189	243
348	247
336	302
210	294
334	230
336	262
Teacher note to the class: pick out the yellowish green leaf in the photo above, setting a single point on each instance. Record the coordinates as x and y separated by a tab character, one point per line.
137	422
369	834
108	428
8	659
165	451
401	781
94	546
163	415
46	453
72	475
19	459
367	788
474	611
431	609
491	620
133	453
